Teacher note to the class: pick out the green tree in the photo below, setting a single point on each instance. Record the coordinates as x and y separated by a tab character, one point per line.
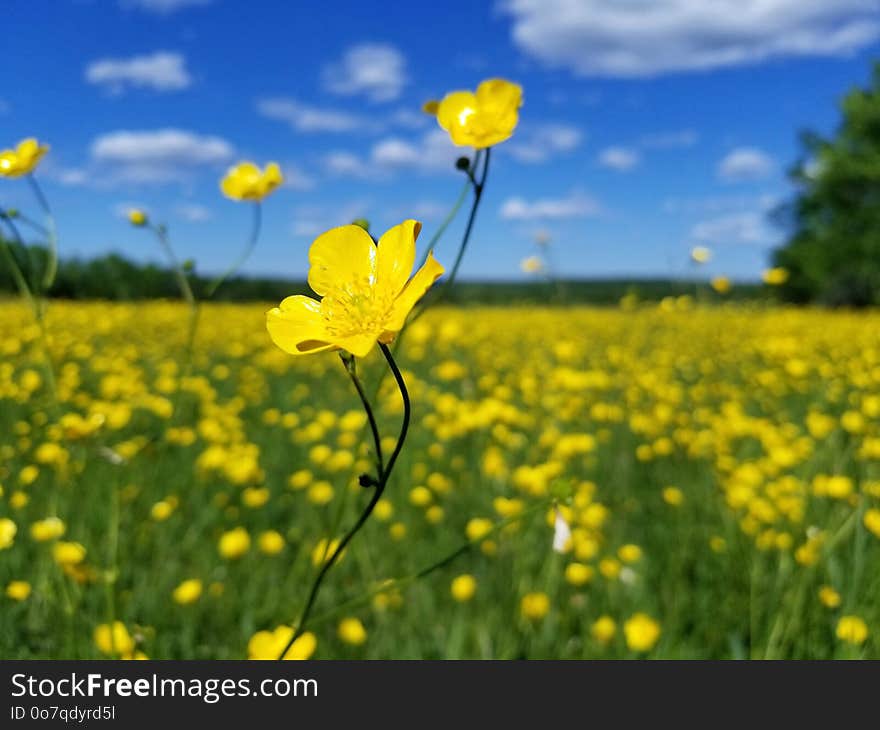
833	254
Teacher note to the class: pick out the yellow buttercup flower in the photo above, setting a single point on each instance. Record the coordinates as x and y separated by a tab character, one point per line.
137	217
23	159
270	644
775	276
187	592
7	532
721	284
641	632
700	254
366	292
245	181
18	590
852	630
352	631
480	119
463	588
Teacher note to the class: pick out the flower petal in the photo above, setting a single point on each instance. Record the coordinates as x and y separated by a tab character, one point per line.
499	97
412	292
341	259
454	110
396	256
297	326
358	345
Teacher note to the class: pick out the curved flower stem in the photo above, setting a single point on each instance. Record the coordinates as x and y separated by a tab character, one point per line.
243	256
382	482
446	221
52	239
351	368
17	273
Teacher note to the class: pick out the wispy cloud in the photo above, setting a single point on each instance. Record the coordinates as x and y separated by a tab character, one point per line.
545	141
160	71
303	117
749	227
621	159
163	7
160	155
374	70
634	39
575	205
193	212
745	164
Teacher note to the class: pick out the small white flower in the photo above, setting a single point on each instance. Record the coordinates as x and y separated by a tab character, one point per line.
561	533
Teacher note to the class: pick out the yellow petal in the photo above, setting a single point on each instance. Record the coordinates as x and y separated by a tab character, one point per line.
272	178
241	181
455	109
8	162
340	259
297	327
499	96
412	292
397	255
358	345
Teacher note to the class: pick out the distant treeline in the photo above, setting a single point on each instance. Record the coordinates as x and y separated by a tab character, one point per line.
117	278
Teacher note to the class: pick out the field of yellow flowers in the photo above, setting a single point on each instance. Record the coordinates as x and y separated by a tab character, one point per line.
717	467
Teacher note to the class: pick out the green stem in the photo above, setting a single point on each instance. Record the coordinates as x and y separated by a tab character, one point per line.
52	239
446	221
368	510
351	368
243	256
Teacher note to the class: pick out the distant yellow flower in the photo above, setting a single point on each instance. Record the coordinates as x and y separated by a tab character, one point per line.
7	532
23	159
270	542
50	528
531	265
187	592
270	644
234	543
629	553
872	521
829	597
366	292
245	181
352	631
535	606
18	590
115	641
775	276
137	217
483	118
673	496
852	630
700	254
463	588
641	632
603	629
68	553
578	574
721	284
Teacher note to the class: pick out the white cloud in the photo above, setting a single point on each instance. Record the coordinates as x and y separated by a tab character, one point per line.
545	141
71	176
576	205
669	140
307	118
744	164
160	155
193	212
632	38
160	71
163	7
312	220
621	159
296	178
432	152
374	70
740	228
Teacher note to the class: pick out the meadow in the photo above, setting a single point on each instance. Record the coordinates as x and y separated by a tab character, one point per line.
717	465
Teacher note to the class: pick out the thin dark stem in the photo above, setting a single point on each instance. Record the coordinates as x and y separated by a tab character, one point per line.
256	225
368	510
351	368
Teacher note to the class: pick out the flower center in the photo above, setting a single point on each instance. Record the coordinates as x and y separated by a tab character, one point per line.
360	308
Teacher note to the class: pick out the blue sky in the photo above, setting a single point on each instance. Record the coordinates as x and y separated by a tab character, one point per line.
648	126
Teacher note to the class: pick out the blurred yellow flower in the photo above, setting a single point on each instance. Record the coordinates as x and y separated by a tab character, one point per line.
7	532
775	276
700	254
50	528
463	588
641	632
673	496
872	521
483	118
721	284
23	159
115	641
603	629
187	592
245	181
829	597
234	543
535	606
68	553
352	631
270	644
531	265
270	542
852	630
137	217
578	574
18	590
366	292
